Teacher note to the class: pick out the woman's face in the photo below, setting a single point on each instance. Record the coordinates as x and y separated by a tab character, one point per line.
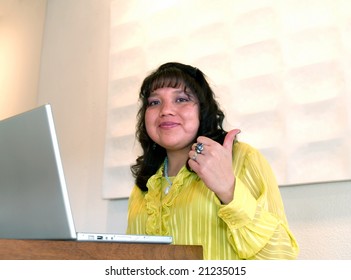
172	118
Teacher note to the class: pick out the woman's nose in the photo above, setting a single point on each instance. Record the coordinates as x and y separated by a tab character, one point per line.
167	108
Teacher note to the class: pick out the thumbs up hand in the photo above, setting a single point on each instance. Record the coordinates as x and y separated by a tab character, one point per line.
213	164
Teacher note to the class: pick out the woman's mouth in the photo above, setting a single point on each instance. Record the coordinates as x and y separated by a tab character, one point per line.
167	125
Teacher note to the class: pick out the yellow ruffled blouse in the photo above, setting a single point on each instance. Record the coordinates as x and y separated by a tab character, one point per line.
252	226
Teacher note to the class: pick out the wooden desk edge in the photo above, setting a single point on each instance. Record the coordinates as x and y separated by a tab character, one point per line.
14	249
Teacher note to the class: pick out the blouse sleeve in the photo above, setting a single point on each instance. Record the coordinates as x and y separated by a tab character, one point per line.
257	225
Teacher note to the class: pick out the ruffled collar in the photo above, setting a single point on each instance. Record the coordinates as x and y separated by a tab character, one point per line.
157	206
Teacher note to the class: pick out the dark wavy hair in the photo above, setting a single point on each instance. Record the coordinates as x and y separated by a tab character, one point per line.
175	75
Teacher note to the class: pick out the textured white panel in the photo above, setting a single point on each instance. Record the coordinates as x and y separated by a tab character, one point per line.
160	25
122	120
316	82
260	93
240	7
166	49
118	182
280	69
318	162
118	150
316	121
126	63
254	26
217	67
258	59
205	46
276	157
123	92
312	46
298	15
133	34
267	129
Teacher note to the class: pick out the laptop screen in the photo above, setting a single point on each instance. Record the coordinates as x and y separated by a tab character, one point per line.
34	202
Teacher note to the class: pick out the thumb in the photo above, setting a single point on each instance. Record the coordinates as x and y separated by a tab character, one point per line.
229	138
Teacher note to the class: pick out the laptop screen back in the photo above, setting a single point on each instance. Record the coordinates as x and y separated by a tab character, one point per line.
34	202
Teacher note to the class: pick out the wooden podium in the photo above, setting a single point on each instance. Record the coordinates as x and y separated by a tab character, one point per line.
13	249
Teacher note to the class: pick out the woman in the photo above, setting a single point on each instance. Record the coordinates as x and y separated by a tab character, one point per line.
195	181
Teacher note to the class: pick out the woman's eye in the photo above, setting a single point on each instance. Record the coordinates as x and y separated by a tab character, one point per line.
153	102
182	99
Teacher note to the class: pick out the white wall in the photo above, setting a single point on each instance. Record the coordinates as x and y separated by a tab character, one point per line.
21	30
74	77
320	217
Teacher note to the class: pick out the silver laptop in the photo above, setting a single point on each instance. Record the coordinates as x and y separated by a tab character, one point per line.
34	201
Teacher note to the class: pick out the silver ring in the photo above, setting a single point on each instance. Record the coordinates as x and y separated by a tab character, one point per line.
199	148
194	156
